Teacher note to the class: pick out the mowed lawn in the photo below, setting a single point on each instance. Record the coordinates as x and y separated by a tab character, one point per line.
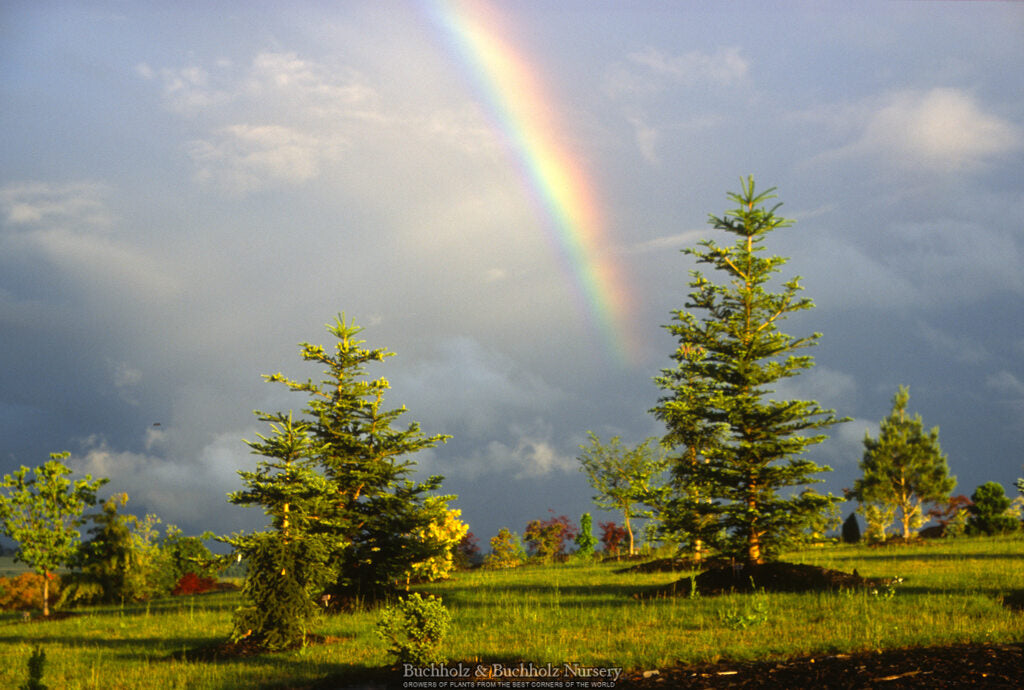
951	592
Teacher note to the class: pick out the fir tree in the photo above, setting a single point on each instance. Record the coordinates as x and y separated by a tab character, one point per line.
735	449
373	511
903	468
287	565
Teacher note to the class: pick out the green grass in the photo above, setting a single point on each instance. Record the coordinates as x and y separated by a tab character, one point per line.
951	593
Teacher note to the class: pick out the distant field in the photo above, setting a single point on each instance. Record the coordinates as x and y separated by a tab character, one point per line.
952	593
9	567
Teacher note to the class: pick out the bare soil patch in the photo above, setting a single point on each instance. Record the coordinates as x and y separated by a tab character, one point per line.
961	666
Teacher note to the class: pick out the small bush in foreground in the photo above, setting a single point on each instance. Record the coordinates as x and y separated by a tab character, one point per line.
414	629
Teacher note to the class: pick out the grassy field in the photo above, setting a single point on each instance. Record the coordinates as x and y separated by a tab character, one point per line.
951	593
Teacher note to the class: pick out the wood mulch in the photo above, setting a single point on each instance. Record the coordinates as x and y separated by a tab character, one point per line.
962	666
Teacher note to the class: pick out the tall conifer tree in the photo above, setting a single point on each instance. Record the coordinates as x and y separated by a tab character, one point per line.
738	451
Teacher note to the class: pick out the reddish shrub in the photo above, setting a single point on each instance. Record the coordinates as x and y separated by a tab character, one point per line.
190	583
25	591
547	538
468	551
611	537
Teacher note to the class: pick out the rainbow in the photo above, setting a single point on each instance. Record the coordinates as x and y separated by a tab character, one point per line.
525	113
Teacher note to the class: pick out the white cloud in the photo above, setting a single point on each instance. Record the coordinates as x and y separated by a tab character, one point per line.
71	228
646	138
943	129
490	388
41	203
177	490
829	387
126	378
660	244
957	347
243	158
726	66
1006	382
532	455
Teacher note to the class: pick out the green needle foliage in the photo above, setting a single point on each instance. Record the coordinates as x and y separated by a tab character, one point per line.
585	539
288	565
43	513
902	469
414	630
736	450
346	519
989	511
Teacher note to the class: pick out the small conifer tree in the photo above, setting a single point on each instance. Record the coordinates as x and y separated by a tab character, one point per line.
903	468
585	540
989	511
288	565
851	529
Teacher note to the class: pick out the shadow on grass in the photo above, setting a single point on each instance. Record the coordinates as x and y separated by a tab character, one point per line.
469	596
906	553
451	674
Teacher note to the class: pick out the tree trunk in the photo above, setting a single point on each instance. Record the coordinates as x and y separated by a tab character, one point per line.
754	554
629	531
46	593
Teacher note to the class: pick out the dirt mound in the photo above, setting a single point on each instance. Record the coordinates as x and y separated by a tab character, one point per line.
772	577
672	565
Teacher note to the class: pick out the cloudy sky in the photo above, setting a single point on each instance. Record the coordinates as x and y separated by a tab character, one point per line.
498	193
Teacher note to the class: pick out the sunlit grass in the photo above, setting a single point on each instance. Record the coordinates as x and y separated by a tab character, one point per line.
588	614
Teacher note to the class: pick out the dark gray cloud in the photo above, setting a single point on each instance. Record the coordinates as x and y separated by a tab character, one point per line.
184	199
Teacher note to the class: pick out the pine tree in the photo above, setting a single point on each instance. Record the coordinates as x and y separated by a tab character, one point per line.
990	511
373	510
903	468
288	564
735	449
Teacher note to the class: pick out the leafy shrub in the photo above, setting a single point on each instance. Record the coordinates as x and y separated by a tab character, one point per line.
442	537
547	538
190	583
612	536
467	554
952	516
25	592
989	511
879	519
506	550
414	629
79	589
